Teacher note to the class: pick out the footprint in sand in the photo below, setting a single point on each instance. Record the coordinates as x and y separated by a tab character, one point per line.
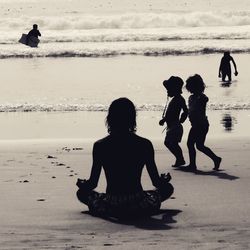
60	164
8	180
66	149
25	181
77	148
51	157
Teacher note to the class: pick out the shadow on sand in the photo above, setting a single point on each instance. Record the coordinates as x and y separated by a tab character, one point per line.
220	174
159	221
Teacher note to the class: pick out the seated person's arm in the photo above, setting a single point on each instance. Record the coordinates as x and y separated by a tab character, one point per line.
151	166
96	168
38	32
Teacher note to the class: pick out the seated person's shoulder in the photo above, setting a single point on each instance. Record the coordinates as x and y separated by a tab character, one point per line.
99	145
143	141
102	142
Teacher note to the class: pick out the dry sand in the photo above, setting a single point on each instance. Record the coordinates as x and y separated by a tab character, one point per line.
39	210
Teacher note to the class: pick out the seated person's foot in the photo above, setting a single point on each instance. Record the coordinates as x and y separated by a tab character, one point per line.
191	167
217	163
179	163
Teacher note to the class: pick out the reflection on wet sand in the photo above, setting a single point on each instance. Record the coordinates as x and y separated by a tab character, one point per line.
228	122
226	84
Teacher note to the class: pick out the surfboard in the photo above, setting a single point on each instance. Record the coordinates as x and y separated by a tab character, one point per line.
33	41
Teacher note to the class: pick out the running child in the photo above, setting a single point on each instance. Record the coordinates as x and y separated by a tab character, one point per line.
174	118
199	123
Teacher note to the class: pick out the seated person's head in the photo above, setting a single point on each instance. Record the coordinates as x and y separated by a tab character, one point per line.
173	85
121	116
35	26
195	84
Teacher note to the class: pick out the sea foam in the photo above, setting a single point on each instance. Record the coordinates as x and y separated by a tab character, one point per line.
131	20
29	107
149	34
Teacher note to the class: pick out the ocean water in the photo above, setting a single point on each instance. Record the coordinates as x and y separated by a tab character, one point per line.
109	28
92	52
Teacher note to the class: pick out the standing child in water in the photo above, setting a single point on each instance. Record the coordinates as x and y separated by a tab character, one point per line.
225	67
173	119
199	123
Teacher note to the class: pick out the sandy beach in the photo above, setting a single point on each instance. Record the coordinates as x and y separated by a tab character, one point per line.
53	106
39	210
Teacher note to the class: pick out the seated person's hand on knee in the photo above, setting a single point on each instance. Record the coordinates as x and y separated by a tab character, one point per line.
83	184
165	178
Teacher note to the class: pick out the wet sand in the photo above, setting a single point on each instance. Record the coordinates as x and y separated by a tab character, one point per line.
85	125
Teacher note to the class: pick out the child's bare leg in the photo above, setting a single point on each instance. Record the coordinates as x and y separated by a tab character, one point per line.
192	156
206	150
176	150
191	149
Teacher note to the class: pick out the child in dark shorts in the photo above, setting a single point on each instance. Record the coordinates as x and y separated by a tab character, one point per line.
199	123
173	118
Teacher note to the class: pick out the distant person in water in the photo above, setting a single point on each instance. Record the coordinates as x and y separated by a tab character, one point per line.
123	154
225	67
199	123
34	33
173	117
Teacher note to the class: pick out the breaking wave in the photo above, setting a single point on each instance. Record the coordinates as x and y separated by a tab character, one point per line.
131	20
155	34
160	48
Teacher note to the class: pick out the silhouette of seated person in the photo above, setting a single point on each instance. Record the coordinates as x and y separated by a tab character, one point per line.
34	33
225	67
123	154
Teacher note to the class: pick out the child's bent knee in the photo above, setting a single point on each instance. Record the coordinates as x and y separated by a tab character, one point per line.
200	147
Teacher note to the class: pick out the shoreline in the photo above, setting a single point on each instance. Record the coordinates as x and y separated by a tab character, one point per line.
90	126
47	84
